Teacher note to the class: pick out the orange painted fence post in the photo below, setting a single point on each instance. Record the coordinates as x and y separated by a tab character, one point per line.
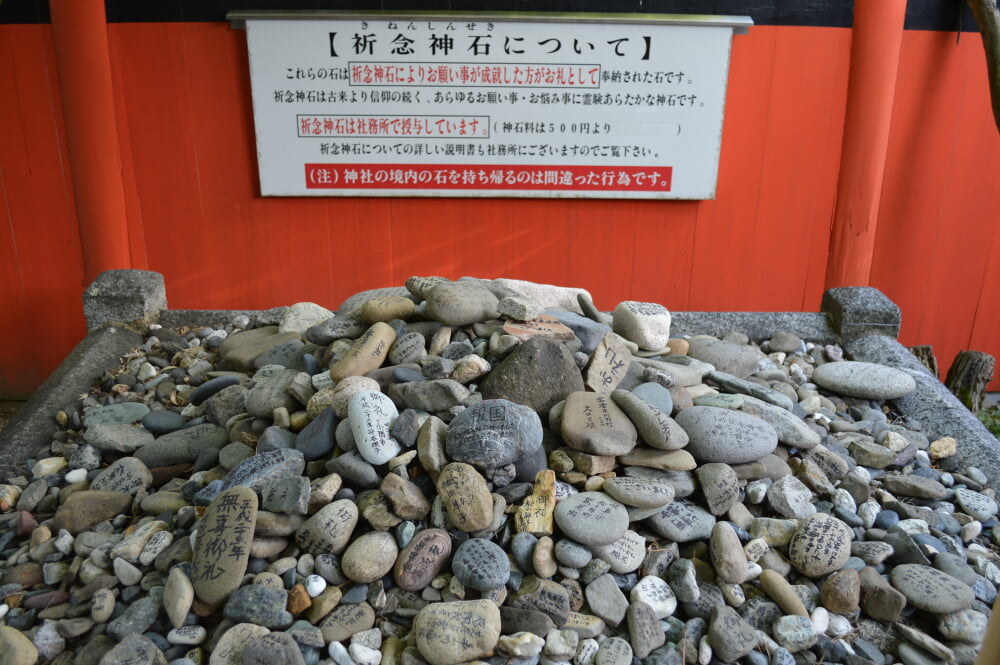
875	43
80	33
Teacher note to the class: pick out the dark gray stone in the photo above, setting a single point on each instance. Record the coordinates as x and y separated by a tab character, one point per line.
493	433
538	373
859	311
259	604
317	439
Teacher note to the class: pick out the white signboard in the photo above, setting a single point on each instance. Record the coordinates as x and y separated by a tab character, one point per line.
422	105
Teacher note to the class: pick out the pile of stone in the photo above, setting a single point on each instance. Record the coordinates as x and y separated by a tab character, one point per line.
492	471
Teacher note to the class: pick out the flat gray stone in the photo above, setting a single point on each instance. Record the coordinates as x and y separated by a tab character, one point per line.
721	435
865	380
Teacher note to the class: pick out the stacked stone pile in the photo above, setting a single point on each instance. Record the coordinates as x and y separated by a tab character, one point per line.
497	472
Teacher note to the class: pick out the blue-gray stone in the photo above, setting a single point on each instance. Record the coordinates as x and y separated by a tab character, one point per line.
589	332
480	564
259	604
317	439
287	354
139	616
404	375
457	350
493	433
212	386
656	395
355	471
257	471
522	547
204	496
275	438
183	445
125	413
163	421
886	519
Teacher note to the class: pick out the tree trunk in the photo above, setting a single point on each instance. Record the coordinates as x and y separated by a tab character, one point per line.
988	19
968	377
925	354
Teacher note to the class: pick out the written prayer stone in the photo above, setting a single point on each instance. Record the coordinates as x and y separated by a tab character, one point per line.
367	353
720	485
656	428
865	380
371	415
729	635
978	505
591	518
369	557
545	596
645	323
721	435
407	349
457	632
930	589
330	529
613	651
222	546
263	468
494	433
461	303
481	564
545	325
608	365
625	554
645	633
593	423
422	559
229	649
386	309
346	620
127	475
821	544
639	492
465	497
682	522
535	514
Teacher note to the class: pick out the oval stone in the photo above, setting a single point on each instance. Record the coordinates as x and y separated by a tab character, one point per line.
330	529
931	589
481	564
494	433
821	544
457	632
639	492
465	497
369	557
371	415
721	435
222	547
591	518
865	380
422	559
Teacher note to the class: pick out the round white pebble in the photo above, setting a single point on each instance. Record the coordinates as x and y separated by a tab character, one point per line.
76	476
315	585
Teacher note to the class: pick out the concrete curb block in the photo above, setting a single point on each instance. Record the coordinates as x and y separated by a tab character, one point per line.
938	410
810	326
33	426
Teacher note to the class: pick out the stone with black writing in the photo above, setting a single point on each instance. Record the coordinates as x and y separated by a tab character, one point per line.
82	510
931	589
330	529
794	633
639	492
606	600
348	324
727	555
593	423
494	433
543	325
656	593
457	632
134	649
259	604
257	471
127	475
591	518
120	438
625	555
613	651
367	353
655	426
729	635
721	435
865	380
736	359
607	365
538	373
222	546
407	349
422	559
345	620
720	486
645	632
682	522
276	648
820	545
386	308
229	648
371	415
481	564
461	303
465	497
541	595
645	323
124	413
792	430
317	439
287	495
973	503
184	445
370	557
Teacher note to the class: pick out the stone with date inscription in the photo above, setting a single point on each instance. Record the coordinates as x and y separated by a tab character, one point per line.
481	564
422	559
593	423
465	497
127	475
371	415
494	433
222	547
682	522
591	518
930	589
645	323
820	545
457	632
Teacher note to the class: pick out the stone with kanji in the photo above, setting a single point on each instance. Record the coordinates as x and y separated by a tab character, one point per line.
222	547
592	518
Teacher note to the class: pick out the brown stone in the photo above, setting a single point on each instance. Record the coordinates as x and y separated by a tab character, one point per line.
83	510
298	600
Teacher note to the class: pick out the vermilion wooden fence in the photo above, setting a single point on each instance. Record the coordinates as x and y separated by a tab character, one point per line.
189	168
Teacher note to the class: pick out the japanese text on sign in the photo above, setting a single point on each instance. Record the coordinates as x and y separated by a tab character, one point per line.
489	105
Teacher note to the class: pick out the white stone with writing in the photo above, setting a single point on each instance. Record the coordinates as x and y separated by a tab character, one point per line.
645	323
371	415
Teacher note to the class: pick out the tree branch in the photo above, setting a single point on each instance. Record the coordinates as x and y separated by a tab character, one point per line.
988	19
